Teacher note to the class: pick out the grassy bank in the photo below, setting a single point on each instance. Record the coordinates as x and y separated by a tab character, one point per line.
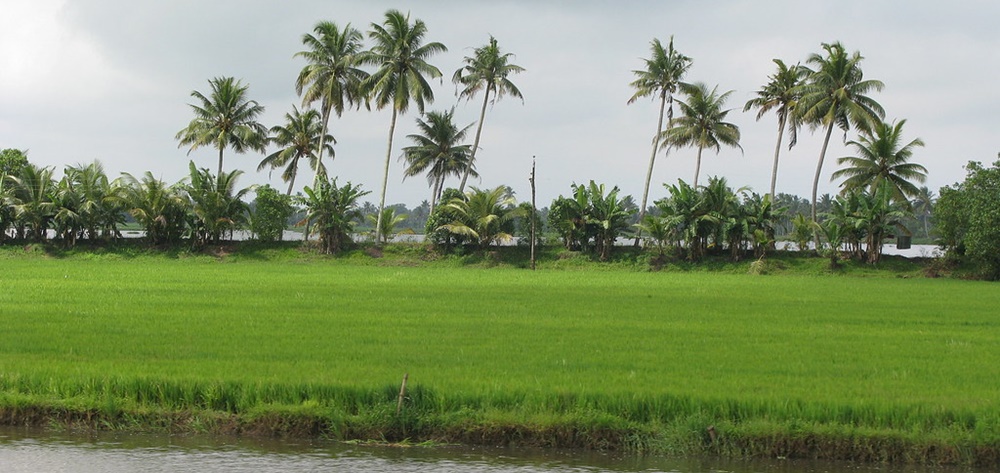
882	366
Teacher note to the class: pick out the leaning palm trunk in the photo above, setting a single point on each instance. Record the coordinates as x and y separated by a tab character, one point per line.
320	168
475	145
777	151
652	160
819	167
385	179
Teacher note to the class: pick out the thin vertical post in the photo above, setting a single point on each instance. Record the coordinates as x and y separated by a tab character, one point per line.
534	212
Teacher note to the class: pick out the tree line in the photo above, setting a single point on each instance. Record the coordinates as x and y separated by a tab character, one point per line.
878	197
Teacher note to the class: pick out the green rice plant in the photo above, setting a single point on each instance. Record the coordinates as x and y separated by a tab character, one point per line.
666	353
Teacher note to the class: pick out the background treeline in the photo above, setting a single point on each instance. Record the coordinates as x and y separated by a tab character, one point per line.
879	196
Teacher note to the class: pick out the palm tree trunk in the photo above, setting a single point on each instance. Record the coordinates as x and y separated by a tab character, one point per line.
777	151
220	161
291	182
697	167
652	160
320	169
475	145
385	180
819	168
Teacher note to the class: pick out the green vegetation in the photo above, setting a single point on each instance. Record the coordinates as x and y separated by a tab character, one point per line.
271	339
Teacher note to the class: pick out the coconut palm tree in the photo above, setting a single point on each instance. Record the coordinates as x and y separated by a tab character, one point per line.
160	208
437	151
331	76
781	94
485	71
32	199
835	95
101	201
226	118
661	78
400	55
217	205
487	216
701	124
882	156
300	137
923	207
333	210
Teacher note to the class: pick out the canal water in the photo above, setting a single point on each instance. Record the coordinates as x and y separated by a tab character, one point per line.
37	451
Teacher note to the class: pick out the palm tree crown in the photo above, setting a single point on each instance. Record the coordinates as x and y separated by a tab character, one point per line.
437	150
781	94
835	95
299	138
331	75
662	76
226	118
882	156
401	56
702	124
486	70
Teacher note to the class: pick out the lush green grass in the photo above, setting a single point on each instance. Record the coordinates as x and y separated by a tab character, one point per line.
269	330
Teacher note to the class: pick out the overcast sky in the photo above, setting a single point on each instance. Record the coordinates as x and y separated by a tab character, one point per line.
111	80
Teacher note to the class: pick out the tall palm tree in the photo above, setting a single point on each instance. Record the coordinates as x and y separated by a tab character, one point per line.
226	118
923	207
437	151
300	137
882	156
486	71
781	94
701	124
331	76
835	95
661	78
401	56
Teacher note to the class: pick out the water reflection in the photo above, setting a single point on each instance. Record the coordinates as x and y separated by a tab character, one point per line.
34	451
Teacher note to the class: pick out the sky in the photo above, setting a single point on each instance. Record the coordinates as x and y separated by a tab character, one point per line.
110	80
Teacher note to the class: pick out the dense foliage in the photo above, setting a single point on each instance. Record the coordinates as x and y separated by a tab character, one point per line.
968	218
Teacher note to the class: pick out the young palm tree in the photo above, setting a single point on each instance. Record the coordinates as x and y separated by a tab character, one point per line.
32	199
881	156
835	95
102	202
437	151
401	56
661	78
331	76
486	71
487	216
701	124
226	118
158	207
217	205
781	94
299	138
333	210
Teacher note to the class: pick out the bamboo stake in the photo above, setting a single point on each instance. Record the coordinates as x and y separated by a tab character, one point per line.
402	394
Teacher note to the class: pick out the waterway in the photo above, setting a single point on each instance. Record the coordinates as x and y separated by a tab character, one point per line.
39	451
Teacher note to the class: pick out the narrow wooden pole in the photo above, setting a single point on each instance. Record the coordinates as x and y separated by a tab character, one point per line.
534	212
402	394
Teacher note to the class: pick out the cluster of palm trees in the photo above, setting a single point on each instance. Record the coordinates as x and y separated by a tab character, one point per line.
592	218
697	219
829	91
86	204
335	78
